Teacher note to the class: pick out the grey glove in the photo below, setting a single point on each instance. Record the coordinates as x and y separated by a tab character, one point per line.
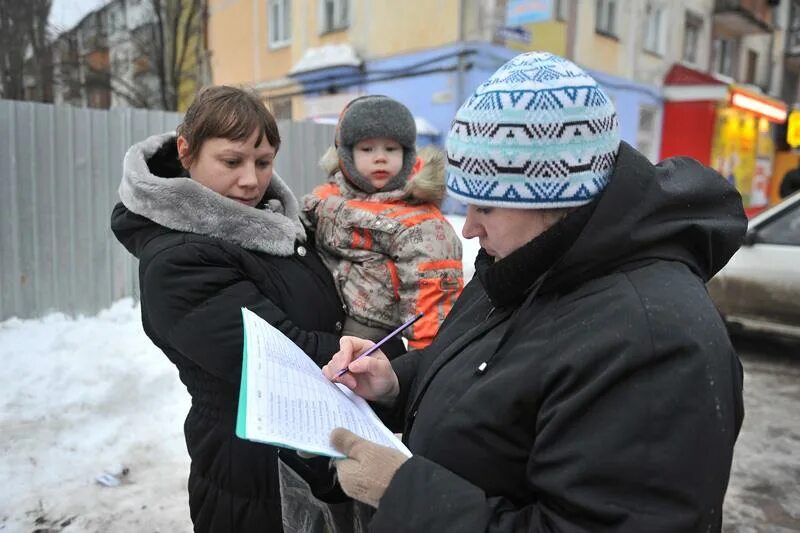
368	468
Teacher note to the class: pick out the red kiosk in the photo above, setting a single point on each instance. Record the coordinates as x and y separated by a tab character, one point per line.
725	126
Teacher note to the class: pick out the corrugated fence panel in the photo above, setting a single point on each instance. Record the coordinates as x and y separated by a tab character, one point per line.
60	168
27	228
302	144
82	200
100	233
61	139
120	259
47	274
9	278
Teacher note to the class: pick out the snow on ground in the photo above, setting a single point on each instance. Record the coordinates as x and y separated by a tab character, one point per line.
80	397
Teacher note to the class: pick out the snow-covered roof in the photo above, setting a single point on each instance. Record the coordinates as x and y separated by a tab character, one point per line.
424	127
328	56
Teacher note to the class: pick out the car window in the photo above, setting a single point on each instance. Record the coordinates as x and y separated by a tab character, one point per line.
783	230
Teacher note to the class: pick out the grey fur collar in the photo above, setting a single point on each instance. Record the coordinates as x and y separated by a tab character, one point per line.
183	204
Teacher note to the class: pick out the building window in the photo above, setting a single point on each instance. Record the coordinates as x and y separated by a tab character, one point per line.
752	67
561	10
654	31
605	15
646	135
280	22
793	30
334	15
724	50
691	37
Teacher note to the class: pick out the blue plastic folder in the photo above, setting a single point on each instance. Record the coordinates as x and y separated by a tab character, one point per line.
285	400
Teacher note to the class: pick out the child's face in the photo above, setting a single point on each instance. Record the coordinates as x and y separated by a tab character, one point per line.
379	160
240	171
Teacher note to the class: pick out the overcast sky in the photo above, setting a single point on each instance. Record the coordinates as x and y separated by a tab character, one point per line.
64	14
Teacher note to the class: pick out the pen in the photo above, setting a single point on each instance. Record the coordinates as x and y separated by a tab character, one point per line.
382	342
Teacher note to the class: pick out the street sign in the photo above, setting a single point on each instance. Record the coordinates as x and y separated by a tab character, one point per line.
519	12
793	129
515	33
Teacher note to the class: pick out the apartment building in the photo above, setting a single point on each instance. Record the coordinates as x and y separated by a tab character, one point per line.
125	54
310	57
705	78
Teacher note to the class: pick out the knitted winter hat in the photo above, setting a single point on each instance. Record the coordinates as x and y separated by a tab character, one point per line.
368	117
538	134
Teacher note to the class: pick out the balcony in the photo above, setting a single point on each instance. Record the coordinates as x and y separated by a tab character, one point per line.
736	18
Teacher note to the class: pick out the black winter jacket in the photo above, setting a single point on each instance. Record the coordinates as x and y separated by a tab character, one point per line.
603	395
193	286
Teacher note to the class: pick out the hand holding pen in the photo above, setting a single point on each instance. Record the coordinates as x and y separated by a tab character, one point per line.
383	341
370	375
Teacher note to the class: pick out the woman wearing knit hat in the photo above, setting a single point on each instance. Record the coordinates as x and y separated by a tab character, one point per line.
378	226
584	380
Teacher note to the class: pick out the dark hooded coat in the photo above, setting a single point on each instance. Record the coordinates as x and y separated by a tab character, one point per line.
585	382
203	257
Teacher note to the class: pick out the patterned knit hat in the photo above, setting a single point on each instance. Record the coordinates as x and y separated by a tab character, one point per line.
369	117
538	134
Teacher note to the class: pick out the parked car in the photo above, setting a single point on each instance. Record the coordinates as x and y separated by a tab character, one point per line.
759	289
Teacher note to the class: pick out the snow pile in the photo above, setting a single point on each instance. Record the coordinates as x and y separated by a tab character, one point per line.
80	397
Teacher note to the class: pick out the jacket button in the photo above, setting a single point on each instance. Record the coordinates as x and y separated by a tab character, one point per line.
414	415
338	326
301	251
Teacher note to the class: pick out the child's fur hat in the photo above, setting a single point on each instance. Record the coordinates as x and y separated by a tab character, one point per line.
369	117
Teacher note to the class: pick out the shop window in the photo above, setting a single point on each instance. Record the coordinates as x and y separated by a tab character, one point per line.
605	15
646	135
691	36
334	15
752	66
654	30
793	31
724	50
791	80
280	22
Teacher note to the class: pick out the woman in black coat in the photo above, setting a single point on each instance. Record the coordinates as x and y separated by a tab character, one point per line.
215	230
584	380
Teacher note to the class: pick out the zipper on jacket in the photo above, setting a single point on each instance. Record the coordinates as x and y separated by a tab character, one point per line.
481	368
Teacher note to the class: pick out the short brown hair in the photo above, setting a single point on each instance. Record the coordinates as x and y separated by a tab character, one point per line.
230	113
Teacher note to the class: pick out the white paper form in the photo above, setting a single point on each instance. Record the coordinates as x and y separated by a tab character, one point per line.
286	400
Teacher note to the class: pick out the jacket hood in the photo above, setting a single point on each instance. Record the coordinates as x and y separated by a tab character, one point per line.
678	210
426	184
155	187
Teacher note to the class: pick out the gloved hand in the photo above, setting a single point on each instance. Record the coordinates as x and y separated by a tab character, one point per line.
368	468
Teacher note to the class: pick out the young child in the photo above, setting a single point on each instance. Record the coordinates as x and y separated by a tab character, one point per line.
378	226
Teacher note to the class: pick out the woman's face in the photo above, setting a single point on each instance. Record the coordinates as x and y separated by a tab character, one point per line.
502	230
238	170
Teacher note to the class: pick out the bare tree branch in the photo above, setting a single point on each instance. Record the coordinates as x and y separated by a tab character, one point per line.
162	46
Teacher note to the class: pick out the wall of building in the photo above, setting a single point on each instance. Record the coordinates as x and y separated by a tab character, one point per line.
382	29
596	51
232	29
